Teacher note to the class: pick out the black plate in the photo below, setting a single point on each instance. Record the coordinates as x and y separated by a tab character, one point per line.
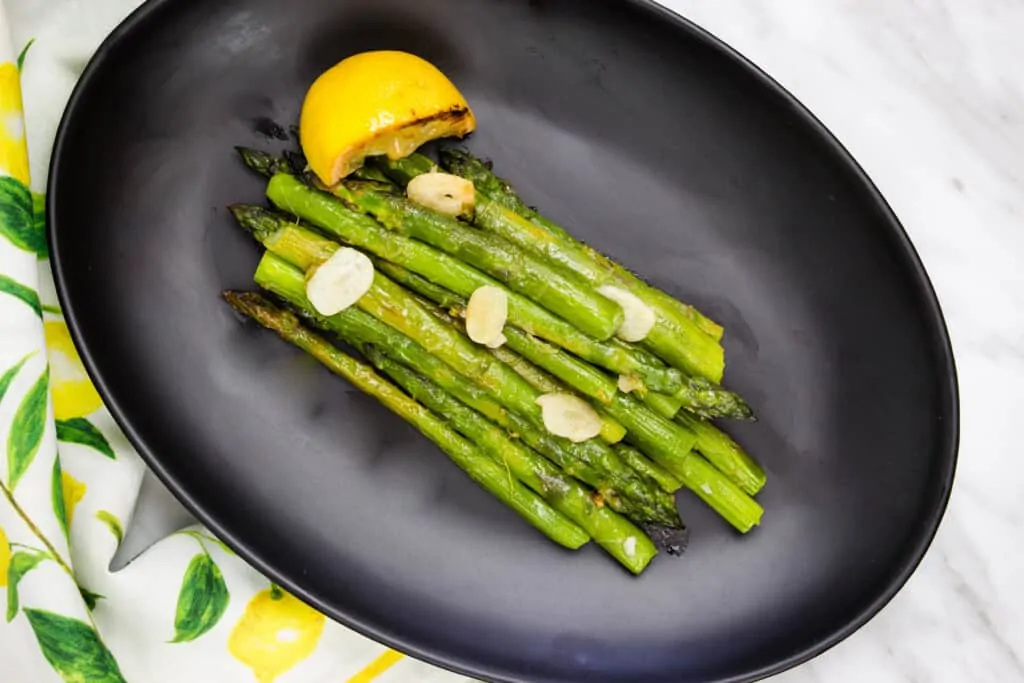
648	138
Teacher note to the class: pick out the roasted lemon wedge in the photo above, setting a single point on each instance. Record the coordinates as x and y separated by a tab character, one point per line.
378	103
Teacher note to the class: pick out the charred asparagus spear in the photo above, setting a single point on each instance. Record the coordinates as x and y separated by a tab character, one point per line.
481	468
620	538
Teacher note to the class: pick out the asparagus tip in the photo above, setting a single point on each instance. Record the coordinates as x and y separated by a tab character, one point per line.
256	306
261	162
240	211
742	410
259	221
296	162
246	303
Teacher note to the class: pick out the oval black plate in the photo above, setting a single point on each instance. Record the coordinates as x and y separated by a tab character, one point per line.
646	137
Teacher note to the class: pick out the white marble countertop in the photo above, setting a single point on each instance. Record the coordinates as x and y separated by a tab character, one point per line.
929	96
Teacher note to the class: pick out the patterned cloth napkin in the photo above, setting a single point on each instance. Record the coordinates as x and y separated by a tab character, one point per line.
187	609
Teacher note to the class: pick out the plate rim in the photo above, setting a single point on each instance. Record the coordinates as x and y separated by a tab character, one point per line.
931	307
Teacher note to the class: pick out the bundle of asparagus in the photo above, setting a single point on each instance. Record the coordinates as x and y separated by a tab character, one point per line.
585	409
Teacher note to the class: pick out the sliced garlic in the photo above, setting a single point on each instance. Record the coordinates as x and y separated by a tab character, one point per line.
497	342
639	318
340	281
443	192
630	383
569	416
486	315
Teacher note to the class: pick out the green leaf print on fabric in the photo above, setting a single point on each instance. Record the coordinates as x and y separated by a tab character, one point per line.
8	377
20	291
22	563
113	523
24	53
202	600
90	598
27	430
39	213
80	430
60	510
18	222
73	649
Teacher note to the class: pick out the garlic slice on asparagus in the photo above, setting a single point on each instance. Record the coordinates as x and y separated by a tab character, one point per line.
339	282
639	319
570	417
486	315
443	192
630	383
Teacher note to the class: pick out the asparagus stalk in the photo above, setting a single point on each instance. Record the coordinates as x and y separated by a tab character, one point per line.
725	497
726	454
328	214
421	285
619	537
372	174
564	248
566	296
644	466
689	350
401	171
666	406
591	461
482	469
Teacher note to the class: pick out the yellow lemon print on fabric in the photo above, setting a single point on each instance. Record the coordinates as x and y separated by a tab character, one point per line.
13	149
275	633
74	491
5	558
377	667
73	392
